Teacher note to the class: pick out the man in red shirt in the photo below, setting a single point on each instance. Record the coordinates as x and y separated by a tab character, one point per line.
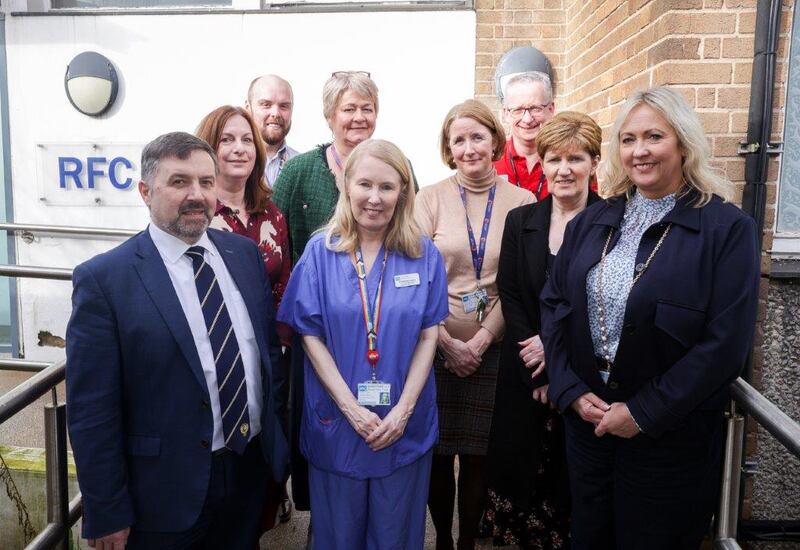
527	105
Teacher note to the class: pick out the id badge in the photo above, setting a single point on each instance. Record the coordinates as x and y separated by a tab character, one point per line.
407	279
374	393
471	300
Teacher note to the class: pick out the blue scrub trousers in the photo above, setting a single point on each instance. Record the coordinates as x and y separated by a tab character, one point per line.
385	513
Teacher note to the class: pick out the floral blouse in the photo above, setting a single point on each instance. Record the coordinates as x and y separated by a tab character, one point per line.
640	214
268	230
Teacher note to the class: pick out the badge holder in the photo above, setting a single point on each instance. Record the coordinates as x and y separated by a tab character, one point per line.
477	302
373	392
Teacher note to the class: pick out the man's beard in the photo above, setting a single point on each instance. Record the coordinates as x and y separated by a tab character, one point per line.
273	136
190	229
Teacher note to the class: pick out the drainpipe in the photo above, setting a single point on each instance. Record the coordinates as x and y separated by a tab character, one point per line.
756	152
759	120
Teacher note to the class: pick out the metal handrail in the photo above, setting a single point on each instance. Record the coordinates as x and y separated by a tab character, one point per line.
52	532
23	365
775	421
61	514
69	230
31	389
36	272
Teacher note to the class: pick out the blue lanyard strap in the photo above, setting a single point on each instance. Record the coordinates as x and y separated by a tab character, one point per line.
477	251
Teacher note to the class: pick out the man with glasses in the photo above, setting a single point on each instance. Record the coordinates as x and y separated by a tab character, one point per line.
527	105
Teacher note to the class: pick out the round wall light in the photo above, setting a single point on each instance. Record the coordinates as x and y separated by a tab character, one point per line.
520	60
91	83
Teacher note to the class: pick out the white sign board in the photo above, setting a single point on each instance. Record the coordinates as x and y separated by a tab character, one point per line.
86	174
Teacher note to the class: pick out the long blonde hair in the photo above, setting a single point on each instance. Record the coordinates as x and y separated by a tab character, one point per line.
697	171
403	234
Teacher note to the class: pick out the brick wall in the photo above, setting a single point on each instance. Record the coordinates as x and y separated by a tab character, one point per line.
602	50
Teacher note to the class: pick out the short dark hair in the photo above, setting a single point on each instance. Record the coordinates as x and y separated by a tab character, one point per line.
172	145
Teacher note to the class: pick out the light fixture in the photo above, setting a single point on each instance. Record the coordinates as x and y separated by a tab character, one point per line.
520	60
91	83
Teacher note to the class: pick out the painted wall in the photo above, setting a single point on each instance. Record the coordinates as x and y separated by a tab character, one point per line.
176	68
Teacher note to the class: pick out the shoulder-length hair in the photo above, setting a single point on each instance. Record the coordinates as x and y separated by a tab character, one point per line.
256	191
480	113
403	234
697	171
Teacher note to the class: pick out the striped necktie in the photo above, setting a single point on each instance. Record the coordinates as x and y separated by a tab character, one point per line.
231	382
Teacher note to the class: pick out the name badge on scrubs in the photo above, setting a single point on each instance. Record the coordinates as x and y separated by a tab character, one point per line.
472	300
407	279
374	393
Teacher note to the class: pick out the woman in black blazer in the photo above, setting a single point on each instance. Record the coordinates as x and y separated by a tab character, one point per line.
646	319
529	493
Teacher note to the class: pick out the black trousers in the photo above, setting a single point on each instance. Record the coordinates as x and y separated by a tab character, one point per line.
231	514
644	493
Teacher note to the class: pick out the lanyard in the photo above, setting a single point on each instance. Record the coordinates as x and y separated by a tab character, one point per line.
336	157
372	319
284	155
478	252
518	182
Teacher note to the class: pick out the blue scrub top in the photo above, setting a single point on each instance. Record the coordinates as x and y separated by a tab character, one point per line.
322	299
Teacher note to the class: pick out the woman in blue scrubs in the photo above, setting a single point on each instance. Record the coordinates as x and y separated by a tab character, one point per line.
367	297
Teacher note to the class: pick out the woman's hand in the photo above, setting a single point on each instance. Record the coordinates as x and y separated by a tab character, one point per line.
459	356
363	420
617	421
540	394
590	408
391	429
480	342
532	354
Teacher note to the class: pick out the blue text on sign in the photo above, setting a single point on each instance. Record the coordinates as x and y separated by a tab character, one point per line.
73	168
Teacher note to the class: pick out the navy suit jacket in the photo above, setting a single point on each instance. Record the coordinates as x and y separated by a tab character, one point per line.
688	322
138	407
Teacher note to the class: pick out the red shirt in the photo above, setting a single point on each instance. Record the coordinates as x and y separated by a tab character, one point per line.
268	230
515	168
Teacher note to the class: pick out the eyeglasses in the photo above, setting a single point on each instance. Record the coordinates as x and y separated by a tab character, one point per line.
535	110
336	74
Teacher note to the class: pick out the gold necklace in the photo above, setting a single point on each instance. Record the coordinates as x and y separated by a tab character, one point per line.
606	374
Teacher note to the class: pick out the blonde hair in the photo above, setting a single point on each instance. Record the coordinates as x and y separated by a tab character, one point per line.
481	114
403	234
570	129
697	171
341	82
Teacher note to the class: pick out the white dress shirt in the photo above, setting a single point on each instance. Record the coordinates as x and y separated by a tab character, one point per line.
179	266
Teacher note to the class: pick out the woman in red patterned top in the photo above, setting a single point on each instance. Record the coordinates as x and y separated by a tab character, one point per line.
243	198
244	206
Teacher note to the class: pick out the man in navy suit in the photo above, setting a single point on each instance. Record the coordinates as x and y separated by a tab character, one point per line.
170	399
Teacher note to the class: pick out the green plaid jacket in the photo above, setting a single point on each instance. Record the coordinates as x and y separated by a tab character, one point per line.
306	193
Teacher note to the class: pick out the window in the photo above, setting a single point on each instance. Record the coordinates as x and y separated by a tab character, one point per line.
95	4
787	223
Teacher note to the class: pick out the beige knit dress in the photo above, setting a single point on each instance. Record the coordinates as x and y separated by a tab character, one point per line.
466	404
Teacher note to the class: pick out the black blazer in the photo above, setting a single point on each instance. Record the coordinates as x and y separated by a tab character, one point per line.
688	322
521	275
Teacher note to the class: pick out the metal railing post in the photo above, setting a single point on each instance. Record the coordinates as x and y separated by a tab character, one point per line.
728	515
55	441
